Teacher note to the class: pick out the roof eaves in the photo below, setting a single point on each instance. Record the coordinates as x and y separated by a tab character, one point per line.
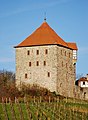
42	45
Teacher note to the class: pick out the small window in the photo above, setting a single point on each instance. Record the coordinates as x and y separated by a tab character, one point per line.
65	53
37	63
29	64
28	52
83	83
44	63
66	65
62	63
48	74
26	75
46	51
37	52
61	52
69	55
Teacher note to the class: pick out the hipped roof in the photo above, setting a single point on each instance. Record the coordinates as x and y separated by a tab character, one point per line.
45	35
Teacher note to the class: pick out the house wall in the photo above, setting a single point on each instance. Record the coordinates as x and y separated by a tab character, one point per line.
83	85
59	64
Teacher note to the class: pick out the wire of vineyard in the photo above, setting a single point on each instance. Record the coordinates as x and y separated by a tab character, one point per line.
39	109
38	103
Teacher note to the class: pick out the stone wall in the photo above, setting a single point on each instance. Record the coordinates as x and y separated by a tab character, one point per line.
81	93
65	72
37	74
57	75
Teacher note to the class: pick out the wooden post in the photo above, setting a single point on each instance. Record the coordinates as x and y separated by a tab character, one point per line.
49	99
4	109
25	99
15	100
48	118
9	100
40	99
66	99
34	99
28	110
12	110
20	110
6	100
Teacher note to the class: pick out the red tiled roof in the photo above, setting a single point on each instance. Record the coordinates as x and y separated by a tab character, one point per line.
82	79
44	35
72	45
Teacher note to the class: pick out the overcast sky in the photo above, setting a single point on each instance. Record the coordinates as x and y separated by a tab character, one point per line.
19	18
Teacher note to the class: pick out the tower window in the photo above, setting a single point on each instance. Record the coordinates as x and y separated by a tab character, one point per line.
62	63
61	52
65	53
69	55
48	74
25	75
29	63
46	51
37	52
44	63
28	52
37	63
66	65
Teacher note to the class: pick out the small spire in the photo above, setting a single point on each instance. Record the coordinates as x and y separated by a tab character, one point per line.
45	16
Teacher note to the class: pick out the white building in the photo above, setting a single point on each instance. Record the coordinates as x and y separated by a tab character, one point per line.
83	82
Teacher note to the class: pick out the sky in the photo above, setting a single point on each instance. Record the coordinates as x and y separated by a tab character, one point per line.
19	18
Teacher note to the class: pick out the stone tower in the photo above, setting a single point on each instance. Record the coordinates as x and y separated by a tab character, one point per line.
47	60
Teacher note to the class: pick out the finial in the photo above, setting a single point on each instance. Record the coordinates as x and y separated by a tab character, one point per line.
45	16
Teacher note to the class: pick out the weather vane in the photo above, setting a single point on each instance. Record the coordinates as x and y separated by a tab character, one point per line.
45	16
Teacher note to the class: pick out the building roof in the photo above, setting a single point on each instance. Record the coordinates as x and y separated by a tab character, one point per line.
83	79
72	45
45	35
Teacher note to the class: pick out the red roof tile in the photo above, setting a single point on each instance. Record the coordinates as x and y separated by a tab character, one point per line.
83	79
72	46
44	35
